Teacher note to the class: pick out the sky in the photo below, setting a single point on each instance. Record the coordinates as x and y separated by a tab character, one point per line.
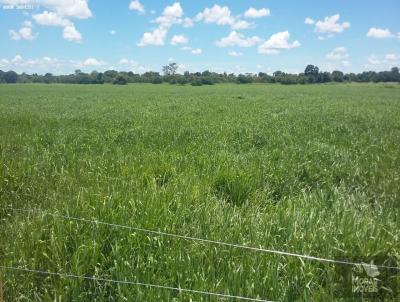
60	36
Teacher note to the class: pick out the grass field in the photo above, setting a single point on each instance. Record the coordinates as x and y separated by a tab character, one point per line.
305	169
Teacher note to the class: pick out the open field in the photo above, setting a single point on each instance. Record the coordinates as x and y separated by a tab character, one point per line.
305	169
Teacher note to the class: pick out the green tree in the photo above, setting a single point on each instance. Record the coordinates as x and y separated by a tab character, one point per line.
10	77
170	69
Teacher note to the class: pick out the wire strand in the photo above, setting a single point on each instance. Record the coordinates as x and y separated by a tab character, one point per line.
215	242
148	285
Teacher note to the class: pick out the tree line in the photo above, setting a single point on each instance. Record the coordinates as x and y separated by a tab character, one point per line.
169	74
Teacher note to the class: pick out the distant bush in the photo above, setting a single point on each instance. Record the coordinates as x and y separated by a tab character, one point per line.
207	81
196	82
157	80
120	80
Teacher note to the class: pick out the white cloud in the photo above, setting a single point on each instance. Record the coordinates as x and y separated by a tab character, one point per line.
235	54
173	11
71	34
179	39
27	23
58	13
92	62
156	37
51	19
195	51
136	5
337	54
24	33
187	22
237	39
78	9
171	15
384	62
254	13
241	24
392	57
328	25
125	61
70	8
276	43
309	21
379	33
40	65
373	60
220	15
113	32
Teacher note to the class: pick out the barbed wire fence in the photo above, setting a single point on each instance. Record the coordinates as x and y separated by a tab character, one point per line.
176	236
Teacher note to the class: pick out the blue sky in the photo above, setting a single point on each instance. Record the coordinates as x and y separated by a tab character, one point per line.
60	36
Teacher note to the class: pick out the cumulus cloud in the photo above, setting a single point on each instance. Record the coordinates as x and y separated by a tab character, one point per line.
257	13
221	15
277	42
92	62
24	33
59	13
384	62
379	33
179	39
373	60
39	65
69	8
51	19
125	61
71	34
331	25
187	22
241	24
392	57
309	21
237	39
195	51
137	6
235	54
171	15
327	27
339	53
155	37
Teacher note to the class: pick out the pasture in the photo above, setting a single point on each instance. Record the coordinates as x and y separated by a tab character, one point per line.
313	170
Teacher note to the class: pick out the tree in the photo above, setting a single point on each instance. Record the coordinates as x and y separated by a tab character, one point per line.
337	76
311	70
2	77
120	80
244	79
10	77
170	69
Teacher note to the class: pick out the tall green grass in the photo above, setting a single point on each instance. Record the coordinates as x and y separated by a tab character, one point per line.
305	169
